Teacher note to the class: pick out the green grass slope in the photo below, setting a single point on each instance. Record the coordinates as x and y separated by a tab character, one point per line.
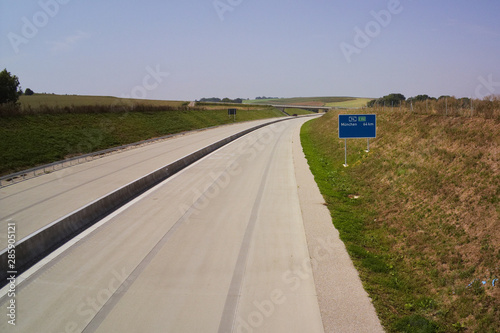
299	112
52	100
419	215
30	140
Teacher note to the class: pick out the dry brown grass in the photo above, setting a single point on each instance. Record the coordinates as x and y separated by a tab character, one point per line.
430	204
439	193
489	107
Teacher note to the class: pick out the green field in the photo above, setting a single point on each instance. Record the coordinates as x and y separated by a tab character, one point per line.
52	100
314	101
418	215
38	138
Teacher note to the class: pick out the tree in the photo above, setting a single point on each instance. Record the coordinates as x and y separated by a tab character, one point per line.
28	92
419	98
9	87
394	99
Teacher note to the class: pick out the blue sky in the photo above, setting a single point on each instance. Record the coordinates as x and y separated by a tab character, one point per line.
186	50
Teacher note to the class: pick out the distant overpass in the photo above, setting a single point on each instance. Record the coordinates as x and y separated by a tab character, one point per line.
312	108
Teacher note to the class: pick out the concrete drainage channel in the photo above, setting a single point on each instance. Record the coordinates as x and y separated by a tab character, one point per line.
32	248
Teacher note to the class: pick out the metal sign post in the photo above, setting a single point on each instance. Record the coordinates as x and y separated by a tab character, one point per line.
232	112
345	146
363	126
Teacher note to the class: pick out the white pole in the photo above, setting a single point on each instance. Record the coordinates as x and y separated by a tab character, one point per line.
345	146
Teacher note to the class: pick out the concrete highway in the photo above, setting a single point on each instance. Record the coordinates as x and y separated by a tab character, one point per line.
34	203
222	246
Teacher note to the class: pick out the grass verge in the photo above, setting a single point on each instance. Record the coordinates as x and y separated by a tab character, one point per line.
52	100
297	111
31	140
419	216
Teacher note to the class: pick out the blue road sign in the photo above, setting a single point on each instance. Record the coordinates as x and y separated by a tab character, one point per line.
362	126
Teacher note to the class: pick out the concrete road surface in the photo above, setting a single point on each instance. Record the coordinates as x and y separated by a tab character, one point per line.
36	202
219	247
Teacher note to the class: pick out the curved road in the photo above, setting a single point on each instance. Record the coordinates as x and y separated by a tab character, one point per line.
219	247
36	202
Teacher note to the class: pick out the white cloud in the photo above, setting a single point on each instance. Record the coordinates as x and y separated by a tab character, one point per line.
68	43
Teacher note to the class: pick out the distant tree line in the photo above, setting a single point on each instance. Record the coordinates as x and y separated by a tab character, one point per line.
488	107
224	100
264	97
400	99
